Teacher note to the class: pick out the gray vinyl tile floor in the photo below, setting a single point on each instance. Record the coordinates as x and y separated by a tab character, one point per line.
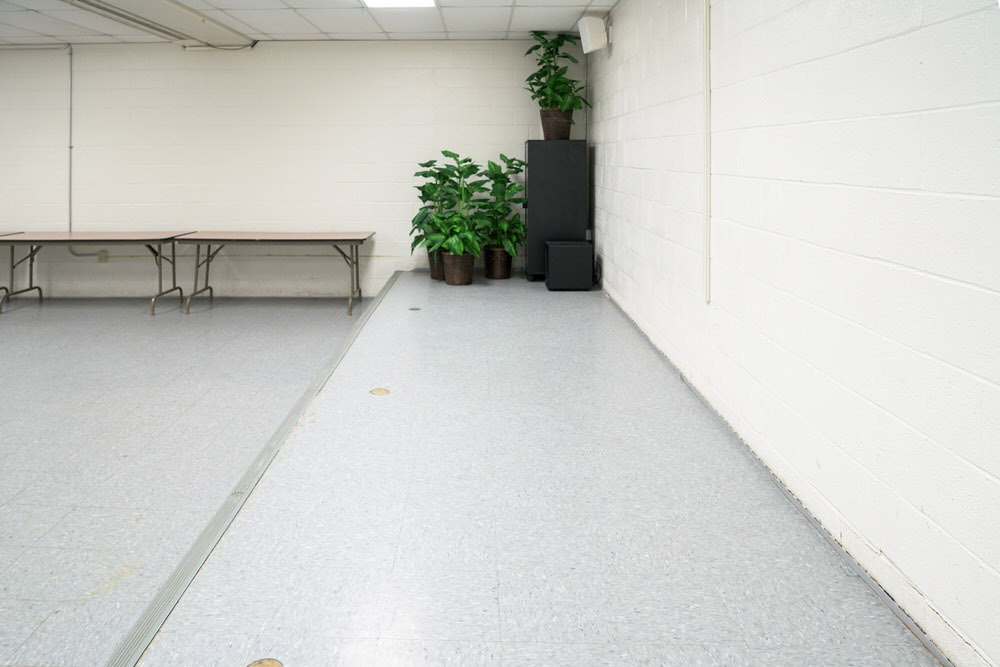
120	436
538	487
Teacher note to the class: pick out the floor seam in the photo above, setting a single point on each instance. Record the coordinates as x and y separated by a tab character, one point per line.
131	648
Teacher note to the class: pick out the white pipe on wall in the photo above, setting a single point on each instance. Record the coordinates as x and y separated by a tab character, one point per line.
69	198
708	151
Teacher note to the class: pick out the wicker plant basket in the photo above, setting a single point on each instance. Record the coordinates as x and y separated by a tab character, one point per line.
458	268
556	124
436	264
498	263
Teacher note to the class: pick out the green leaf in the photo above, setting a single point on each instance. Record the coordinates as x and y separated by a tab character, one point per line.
450	154
420	219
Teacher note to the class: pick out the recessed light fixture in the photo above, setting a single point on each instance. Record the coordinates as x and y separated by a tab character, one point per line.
168	19
398	4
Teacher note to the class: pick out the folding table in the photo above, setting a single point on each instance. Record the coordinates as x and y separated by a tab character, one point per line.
36	240
353	241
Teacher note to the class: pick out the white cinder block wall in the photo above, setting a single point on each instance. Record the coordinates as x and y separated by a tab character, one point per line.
286	136
853	336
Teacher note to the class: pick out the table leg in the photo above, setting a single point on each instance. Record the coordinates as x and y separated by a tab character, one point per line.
357	270
350	297
158	256
351	258
209	256
32	287
173	270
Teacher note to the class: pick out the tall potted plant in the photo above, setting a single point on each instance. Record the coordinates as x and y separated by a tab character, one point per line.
557	94
456	231
503	229
434	199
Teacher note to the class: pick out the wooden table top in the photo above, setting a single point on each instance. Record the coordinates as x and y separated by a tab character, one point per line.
277	237
93	237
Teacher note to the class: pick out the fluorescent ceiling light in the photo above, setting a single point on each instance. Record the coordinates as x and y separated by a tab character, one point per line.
168	19
398	4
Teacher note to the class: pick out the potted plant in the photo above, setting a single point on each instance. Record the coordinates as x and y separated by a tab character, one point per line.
503	230
557	94
434	199
456	231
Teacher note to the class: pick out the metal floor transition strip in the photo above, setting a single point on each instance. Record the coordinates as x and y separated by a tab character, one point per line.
134	644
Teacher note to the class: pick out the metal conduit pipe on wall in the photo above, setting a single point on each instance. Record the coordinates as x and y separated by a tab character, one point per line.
708	151
69	196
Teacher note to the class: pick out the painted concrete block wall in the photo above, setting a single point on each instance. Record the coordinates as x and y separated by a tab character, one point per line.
287	136
852	336
34	134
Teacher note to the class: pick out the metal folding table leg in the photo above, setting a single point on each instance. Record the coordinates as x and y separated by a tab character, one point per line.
30	257
198	261
158	256
357	270
351	258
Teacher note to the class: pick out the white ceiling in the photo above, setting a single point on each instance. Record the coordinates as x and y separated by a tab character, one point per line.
27	22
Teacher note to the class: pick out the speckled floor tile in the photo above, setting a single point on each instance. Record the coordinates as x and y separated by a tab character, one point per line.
442	605
23	525
202	646
518	654
21	619
629	655
560	606
330	602
692	655
13	481
295	649
447	539
844	656
9	554
422	653
129	433
914	654
590	541
61	574
49	644
104	529
810	610
519	499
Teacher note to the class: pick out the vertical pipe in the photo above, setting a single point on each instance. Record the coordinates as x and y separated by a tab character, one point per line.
69	188
69	197
708	151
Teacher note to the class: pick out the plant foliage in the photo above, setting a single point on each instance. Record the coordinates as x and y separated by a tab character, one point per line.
433	197
502	227
454	218
549	84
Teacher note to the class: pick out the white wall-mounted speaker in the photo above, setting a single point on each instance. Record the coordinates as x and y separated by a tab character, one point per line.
593	35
